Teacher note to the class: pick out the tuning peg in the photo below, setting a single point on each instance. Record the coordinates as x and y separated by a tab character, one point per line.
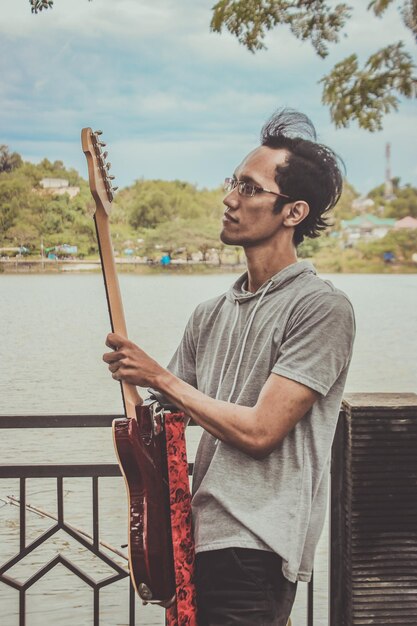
98	132
111	177
108	166
114	188
105	155
101	144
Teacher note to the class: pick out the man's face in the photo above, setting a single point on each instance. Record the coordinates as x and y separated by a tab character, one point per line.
249	221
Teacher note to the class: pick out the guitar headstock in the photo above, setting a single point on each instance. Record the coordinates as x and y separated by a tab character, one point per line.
99	175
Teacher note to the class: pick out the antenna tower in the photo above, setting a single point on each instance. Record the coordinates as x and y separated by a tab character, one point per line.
389	190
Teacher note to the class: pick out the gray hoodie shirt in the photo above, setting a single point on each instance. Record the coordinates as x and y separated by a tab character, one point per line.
297	326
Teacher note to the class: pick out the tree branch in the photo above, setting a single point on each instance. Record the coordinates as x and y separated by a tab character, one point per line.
40	5
367	95
250	20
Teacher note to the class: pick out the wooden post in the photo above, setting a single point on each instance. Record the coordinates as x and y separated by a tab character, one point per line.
374	512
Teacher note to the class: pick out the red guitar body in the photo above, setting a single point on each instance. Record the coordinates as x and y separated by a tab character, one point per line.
141	449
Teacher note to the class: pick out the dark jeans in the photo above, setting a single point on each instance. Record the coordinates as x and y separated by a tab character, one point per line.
242	586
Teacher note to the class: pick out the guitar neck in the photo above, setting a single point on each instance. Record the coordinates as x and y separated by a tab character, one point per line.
131	398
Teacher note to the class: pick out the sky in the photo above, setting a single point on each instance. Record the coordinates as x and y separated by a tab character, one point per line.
174	100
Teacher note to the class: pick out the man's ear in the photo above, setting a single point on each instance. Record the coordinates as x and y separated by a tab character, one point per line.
295	213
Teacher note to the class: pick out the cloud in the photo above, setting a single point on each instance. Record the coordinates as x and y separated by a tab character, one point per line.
174	99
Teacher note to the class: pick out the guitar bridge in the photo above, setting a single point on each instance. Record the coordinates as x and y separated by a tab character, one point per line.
158	417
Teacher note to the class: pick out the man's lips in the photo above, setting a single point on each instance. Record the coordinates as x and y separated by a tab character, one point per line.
227	217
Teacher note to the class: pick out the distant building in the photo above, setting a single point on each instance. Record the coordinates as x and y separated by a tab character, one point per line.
406	222
363	204
366	227
59	186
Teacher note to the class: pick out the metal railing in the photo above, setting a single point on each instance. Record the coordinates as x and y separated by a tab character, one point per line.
93	472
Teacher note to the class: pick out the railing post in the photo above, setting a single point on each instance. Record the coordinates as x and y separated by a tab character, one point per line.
336	534
374	511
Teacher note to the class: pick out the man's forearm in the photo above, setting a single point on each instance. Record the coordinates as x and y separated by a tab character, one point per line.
231	423
256	430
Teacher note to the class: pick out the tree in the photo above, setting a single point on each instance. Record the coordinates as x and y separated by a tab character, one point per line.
14	194
151	202
188	234
9	160
403	243
403	203
351	92
343	209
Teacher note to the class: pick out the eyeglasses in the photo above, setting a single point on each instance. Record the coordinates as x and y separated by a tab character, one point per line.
247	189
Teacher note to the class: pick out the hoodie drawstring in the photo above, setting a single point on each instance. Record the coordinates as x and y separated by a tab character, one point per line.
245	338
229	343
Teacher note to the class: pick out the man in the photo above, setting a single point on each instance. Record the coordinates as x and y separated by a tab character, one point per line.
262	370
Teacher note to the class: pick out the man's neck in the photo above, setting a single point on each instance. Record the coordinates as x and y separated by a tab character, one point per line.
264	263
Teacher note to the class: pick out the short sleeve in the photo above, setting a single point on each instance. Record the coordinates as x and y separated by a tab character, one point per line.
183	361
317	346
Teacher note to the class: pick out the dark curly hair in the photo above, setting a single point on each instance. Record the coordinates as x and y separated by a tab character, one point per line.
311	173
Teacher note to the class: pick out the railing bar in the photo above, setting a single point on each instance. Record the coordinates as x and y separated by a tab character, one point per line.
337	527
10	582
15	559
41	572
84	470
75	529
112	579
90	547
22	513
59	560
310	601
95	514
22	607
60	499
61	421
77	571
57	421
96	610
131	604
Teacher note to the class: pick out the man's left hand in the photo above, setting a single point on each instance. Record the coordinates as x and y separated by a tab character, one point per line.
127	362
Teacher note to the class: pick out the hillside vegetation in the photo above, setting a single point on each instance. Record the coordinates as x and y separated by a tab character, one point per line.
156	217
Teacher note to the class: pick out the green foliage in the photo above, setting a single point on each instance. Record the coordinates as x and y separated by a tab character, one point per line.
352	93
402	204
155	217
308	248
368	94
152	202
9	161
402	242
14	197
40	5
28	213
187	235
249	20
408	10
170	214
343	209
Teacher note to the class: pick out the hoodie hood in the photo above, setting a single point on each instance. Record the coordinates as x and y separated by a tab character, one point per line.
237	292
238	295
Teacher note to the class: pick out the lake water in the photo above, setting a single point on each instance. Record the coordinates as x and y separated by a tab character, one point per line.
52	338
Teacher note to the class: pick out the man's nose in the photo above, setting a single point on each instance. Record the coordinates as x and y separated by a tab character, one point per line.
231	200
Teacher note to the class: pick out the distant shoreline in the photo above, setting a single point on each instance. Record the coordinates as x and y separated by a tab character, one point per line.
76	266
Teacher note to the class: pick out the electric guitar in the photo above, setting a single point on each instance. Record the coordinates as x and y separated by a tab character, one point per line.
140	438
